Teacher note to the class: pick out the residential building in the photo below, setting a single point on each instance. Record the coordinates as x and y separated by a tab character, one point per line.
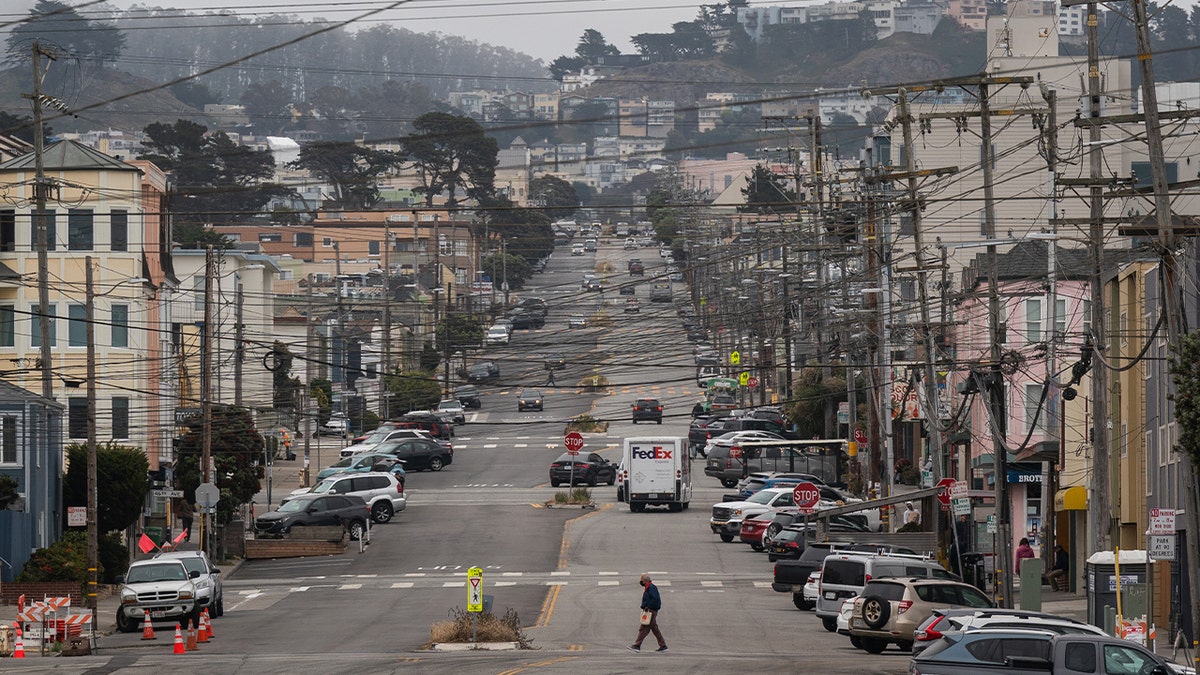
716	104
513	171
545	106
970	14
31	452
1072	21
918	18
106	213
713	176
754	20
643	117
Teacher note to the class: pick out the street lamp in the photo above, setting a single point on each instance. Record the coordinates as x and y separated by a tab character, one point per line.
93	535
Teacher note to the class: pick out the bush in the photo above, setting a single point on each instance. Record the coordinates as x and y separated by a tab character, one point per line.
488	628
114	557
586	423
64	560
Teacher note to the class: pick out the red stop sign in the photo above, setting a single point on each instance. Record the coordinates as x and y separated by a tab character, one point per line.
574	442
944	495
806	495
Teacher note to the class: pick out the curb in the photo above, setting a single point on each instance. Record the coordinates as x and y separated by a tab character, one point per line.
474	646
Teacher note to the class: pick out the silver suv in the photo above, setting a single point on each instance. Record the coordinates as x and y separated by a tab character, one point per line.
210	591
165	588
382	491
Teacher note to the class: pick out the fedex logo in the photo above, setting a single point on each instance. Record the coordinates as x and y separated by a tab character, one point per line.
657	452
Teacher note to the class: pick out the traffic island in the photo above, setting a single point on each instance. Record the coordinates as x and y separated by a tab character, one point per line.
579	497
301	541
478	631
587	424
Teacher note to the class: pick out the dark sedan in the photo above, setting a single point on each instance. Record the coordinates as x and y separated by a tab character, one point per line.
530	399
316	509
419	454
590	468
485	370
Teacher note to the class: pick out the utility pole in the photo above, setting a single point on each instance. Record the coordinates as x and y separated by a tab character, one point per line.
40	187
387	319
206	348
239	350
93	525
308	376
1053	408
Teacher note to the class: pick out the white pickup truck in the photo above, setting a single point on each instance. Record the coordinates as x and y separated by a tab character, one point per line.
727	517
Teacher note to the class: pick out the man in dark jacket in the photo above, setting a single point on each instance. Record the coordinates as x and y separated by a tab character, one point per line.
651	602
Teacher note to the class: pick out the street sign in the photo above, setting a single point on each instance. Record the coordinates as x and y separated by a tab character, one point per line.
207	495
991	524
1162	521
1160	546
944	496
574	442
735	358
475	590
843	413
744	378
806	495
735	452
76	516
168	494
752	382
962	507
860	435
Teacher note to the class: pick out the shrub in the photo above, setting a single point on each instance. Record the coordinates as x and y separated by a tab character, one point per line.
64	560
487	628
581	495
114	557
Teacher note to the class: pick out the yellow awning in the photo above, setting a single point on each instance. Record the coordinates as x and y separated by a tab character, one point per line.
1071	499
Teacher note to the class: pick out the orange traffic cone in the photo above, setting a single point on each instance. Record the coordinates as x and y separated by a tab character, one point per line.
147	628
208	624
178	640
19	649
191	636
202	633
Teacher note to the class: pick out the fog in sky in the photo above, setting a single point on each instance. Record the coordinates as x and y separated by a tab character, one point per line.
543	29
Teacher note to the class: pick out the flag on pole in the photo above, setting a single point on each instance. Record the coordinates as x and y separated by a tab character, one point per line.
146	544
182	535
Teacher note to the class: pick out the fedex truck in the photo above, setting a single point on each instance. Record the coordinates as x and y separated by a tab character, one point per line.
655	472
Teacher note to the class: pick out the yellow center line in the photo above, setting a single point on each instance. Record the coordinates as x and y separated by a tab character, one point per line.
548	606
550	662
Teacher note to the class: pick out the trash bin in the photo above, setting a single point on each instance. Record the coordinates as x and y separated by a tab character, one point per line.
1102	584
973	571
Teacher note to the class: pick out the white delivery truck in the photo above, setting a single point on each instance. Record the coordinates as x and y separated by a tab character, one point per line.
656	471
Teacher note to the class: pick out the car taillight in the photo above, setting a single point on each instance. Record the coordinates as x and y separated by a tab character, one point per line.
659	408
792	544
929	633
555	465
399	488
903	606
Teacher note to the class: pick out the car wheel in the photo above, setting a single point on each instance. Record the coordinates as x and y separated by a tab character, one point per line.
729	482
905	646
675	507
660	420
802	604
873	645
830	624
435	463
771	557
591	480
856	642
875	611
757	548
726	538
554	482
221	605
769	536
637	508
356	529
635	420
381	512
124	623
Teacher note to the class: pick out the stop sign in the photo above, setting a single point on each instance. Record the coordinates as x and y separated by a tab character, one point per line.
752	382
944	495
574	442
860	435
806	495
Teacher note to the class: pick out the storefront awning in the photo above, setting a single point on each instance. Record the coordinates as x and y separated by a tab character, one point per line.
1071	499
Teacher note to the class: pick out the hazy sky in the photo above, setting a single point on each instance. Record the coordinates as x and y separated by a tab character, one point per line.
543	29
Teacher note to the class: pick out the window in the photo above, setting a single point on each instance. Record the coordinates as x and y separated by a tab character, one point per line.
327	242
8	230
77	413
1033	320
120	417
8	439
199	284
79	229
1060	317
1033	399
1080	658
120	325
35	328
303	240
77	326
270	237
1121	660
1085	308
49	217
118	225
373	248
8	326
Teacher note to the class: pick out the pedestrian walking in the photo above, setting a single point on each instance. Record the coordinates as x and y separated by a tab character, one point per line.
550	379
651	604
1024	552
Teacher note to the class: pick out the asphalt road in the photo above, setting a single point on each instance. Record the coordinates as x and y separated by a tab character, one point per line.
571	574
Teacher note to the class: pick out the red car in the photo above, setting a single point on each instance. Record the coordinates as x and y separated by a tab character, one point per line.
753	529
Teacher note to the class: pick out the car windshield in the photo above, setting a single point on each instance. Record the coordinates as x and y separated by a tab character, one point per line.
172	571
762	497
295	506
531	393
322	487
377	436
449	405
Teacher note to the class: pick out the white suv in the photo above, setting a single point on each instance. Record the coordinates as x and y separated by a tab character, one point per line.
165	588
210	592
382	491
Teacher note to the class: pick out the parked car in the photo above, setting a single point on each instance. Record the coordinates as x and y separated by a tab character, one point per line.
496	335
529	399
627	289
726	457
844	574
378	436
727	517
468	395
429	421
358	463
383	491
337	425
1034	651
632	306
453	408
944	621
889	610
210	591
165	588
483	371
647	410
314	509
524	319
589	468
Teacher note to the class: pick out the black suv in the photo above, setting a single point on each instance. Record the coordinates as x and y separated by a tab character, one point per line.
529	399
316	509
468	396
485	370
647	409
525	319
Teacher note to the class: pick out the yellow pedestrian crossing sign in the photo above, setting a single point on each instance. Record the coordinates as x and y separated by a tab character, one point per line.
744	378
735	357
475	590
